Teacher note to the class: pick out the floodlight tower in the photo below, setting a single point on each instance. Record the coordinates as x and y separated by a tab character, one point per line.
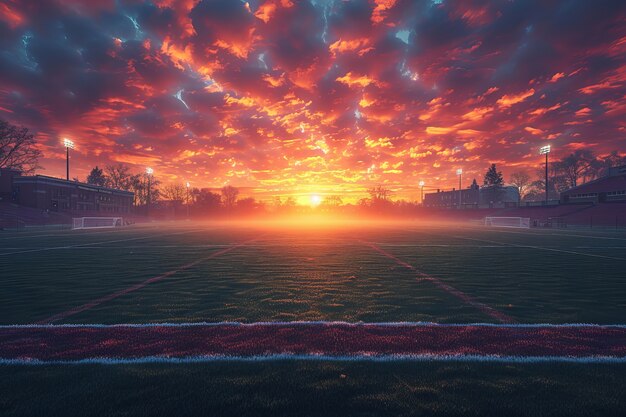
149	172
459	172
188	185
421	184
545	150
68	145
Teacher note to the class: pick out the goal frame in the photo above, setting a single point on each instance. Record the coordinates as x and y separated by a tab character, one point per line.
101	222
510	222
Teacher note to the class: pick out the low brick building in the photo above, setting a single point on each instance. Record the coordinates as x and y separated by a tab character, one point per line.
611	187
58	195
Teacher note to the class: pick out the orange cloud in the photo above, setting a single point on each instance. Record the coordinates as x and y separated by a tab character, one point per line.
349	45
12	17
584	112
509	100
533	130
351	80
432	130
557	77
379	12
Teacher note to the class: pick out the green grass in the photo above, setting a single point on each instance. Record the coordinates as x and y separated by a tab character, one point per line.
314	389
313	275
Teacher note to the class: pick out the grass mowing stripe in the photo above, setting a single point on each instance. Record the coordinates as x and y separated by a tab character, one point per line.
542	248
490	311
138	286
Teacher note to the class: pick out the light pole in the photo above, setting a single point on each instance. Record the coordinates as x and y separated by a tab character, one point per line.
545	150
188	185
149	172
459	172
421	184
68	145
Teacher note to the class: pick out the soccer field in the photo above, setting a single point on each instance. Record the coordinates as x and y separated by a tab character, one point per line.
331	318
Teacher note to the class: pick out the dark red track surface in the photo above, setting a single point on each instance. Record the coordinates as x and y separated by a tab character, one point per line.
57	343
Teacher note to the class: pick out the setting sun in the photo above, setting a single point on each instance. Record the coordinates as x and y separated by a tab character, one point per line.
315	200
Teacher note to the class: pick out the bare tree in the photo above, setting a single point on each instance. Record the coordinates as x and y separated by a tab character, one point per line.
176	192
119	177
206	201
379	193
332	201
17	148
613	159
139	185
229	196
521	180
579	165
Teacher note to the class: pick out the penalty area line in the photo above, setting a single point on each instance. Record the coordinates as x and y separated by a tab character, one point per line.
514	245
84	245
490	311
101	300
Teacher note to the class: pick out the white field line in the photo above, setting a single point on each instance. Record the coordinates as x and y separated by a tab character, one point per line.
99	243
322	358
70	232
542	248
314	323
547	233
270	245
466	298
135	287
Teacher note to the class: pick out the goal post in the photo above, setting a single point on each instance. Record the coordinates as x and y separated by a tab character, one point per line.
516	222
96	222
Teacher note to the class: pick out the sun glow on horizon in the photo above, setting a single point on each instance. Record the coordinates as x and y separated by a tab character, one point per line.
315	200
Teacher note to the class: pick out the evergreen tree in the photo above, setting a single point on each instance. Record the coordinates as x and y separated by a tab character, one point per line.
493	177
493	185
97	177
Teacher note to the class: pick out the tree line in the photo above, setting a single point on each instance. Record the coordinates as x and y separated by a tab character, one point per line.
18	150
574	169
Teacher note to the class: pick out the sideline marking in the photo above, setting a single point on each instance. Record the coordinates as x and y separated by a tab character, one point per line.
333	341
546	232
542	248
70	232
138	286
322	358
82	246
304	323
490	311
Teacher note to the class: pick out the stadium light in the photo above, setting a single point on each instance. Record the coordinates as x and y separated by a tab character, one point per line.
149	171
545	150
421	184
187	185
68	145
459	172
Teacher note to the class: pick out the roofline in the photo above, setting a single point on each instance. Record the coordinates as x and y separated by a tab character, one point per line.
593	182
36	178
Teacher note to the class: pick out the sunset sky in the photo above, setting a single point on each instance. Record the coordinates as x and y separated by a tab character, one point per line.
329	97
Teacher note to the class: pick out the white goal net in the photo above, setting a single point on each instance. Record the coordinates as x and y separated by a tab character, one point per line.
519	222
96	222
